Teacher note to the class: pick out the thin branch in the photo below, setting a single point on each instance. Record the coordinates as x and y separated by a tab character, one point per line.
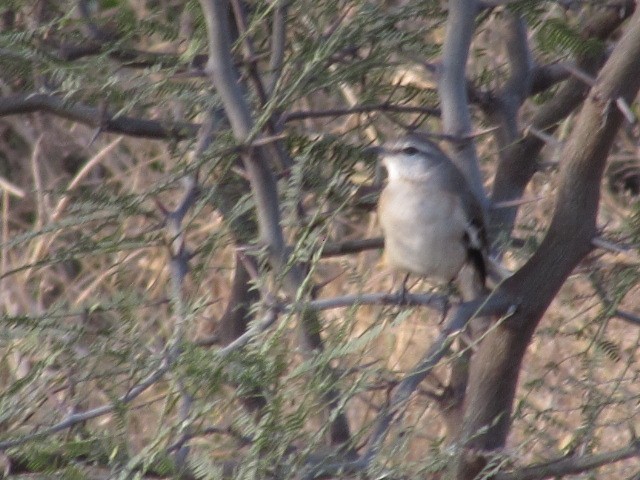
351	246
439	302
620	102
542	135
571	465
626	110
209	431
603	243
458	139
95	117
256	328
611	304
100	40
278	44
337	112
249	50
627	316
494	3
580	74
80	417
129	57
179	258
179	254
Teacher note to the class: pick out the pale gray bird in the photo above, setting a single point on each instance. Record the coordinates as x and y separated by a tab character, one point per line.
433	224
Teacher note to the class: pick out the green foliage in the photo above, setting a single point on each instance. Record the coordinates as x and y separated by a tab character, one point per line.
556	36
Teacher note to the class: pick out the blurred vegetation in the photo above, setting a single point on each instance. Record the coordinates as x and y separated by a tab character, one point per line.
87	307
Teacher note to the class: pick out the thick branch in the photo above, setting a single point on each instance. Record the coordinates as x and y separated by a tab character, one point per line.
226	80
516	87
452	87
496	365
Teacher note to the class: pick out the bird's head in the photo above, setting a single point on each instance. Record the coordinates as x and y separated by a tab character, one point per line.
411	157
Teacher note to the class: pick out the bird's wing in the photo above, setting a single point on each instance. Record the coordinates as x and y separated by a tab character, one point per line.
475	232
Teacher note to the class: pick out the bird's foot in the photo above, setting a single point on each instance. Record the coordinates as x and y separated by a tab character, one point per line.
403	292
446	305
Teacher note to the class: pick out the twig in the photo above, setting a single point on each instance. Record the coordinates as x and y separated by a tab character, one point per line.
257	327
620	102
11	189
138	389
179	258
66	198
494	3
581	75
460	138
626	110
516	202
545	137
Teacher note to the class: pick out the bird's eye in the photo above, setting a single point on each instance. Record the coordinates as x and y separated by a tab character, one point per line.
410	150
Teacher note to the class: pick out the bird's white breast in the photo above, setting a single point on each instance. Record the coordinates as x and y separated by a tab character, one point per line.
423	228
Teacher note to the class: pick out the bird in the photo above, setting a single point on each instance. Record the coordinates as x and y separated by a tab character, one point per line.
432	222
